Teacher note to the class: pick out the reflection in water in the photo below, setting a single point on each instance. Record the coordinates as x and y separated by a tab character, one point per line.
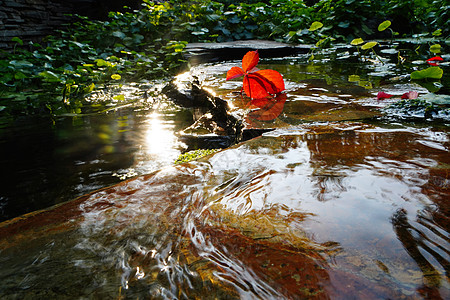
159	138
321	211
52	163
424	243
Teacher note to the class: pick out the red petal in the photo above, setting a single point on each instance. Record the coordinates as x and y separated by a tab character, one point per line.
410	95
383	95
250	60
234	72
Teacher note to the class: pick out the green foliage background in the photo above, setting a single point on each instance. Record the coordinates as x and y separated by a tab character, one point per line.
54	75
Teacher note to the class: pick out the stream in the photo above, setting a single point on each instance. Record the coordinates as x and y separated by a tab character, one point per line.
341	197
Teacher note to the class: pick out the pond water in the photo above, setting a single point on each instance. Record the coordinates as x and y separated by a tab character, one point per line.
48	163
337	202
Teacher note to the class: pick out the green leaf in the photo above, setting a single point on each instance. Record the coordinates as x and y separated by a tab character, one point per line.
437	98
384	25
103	63
353	78
20	75
437	32
116	76
357	41
119	34
429	73
368	45
17	40
365	84
119	97
21	64
50	76
436	48
89	88
315	25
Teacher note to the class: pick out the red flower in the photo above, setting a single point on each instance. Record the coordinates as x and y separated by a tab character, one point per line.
257	83
434	61
383	95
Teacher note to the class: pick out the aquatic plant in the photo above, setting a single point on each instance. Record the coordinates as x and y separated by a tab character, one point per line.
193	155
54	75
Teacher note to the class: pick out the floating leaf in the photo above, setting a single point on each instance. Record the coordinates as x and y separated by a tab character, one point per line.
315	25
116	76
365	84
434	61
431	86
119	97
437	32
353	78
383	95
429	73
263	83
368	45
257	83
385	25
357	41
437	98
436	48
410	95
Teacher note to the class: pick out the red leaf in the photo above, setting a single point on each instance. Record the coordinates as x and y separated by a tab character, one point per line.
250	61
383	95
254	87
410	95
434	61
234	72
262	83
274	80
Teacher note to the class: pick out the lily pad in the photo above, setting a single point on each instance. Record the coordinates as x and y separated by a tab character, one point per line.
428	73
436	98
436	48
